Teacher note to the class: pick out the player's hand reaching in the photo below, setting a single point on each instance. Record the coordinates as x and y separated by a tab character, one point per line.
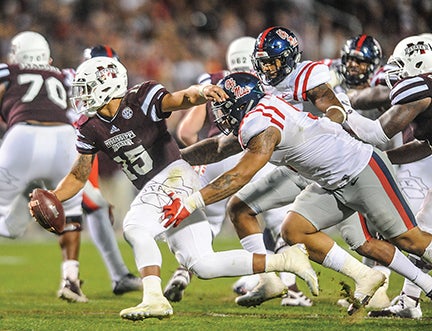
179	209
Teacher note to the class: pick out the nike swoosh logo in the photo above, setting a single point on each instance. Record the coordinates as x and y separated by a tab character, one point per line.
354	181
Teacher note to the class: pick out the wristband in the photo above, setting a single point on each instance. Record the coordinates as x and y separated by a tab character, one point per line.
340	109
195	201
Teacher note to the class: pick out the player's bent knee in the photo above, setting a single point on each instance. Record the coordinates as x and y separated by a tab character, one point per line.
236	207
204	268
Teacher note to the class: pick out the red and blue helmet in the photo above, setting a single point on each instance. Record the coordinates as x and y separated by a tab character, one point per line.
276	46
362	48
100	50
244	91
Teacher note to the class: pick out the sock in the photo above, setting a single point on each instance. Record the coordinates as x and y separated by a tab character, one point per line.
151	288
254	243
343	262
103	236
70	270
403	266
411	289
335	258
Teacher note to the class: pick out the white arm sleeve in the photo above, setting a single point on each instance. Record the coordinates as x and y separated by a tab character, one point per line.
366	129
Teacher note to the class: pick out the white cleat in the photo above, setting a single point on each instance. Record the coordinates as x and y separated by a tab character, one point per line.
161	309
269	286
297	261
405	307
293	298
245	284
380	299
71	291
366	288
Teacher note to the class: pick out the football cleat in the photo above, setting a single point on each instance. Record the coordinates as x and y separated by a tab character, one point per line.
127	283
177	284
160	309
380	299
405	307
245	284
297	261
269	286
365	289
296	298
71	291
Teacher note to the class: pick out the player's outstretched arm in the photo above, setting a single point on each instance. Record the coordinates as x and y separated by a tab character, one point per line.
211	150
410	152
192	96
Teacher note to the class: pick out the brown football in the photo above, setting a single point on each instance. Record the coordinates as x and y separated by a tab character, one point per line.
47	210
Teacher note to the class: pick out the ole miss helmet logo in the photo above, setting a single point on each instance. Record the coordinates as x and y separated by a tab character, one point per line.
237	90
284	35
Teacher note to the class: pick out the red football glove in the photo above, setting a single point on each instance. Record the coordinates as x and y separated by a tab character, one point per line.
175	213
179	209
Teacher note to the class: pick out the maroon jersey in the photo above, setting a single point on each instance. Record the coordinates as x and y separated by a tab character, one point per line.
33	92
412	89
136	137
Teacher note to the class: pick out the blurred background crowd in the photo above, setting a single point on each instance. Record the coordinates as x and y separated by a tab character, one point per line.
174	41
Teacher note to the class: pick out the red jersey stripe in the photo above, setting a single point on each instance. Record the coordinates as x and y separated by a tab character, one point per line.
390	192
364	227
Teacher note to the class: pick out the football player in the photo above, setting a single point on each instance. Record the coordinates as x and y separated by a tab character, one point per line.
276	58
411	108
98	210
38	146
354	177
129	126
238	59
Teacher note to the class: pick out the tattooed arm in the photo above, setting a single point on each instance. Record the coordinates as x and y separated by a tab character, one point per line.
257	154
73	182
324	98
211	150
370	97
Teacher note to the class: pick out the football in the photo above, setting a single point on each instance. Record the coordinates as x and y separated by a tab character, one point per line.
47	210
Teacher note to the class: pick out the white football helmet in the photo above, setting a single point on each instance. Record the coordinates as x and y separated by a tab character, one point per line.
97	81
29	47
412	56
239	54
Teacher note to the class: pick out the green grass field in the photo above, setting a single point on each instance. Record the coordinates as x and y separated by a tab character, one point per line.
30	274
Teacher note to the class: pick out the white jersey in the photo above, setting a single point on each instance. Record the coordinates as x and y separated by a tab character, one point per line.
306	76
316	147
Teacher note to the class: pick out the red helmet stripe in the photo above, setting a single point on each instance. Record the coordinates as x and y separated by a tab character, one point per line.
361	41
108	51
263	36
